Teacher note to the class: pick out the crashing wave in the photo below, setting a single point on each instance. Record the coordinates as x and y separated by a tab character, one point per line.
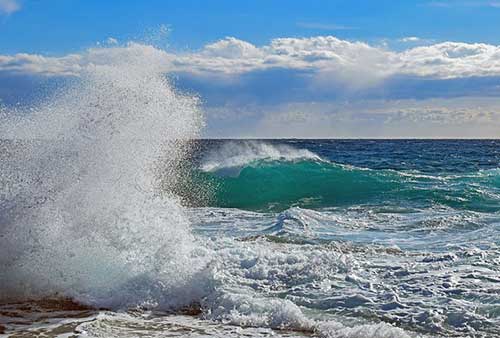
82	212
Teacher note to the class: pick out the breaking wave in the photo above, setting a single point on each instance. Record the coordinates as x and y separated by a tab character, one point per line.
81	208
275	178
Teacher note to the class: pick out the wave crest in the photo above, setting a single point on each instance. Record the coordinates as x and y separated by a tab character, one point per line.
234	155
303	179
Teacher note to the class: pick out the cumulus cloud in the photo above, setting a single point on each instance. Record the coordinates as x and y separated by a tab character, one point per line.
317	67
40	65
8	7
231	48
74	64
451	60
324	86
410	39
320	55
111	41
333	55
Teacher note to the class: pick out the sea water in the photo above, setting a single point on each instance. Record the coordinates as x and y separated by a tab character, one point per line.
116	223
404	232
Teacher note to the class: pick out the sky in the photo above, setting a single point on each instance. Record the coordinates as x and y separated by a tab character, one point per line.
267	68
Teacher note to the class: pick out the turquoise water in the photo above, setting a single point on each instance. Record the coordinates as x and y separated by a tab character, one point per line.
404	232
284	238
413	174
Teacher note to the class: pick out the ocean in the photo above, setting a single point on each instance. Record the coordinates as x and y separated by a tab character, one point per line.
404	232
341	238
115	223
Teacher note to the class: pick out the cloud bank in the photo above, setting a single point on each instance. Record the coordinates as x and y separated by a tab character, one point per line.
255	90
232	56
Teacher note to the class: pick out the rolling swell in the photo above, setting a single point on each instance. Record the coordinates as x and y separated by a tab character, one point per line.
279	184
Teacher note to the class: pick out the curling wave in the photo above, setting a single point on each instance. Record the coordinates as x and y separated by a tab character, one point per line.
296	178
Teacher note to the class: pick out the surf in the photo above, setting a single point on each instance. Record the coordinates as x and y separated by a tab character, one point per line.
270	178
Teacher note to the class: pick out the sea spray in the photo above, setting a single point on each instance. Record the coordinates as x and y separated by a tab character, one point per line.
236	155
82	215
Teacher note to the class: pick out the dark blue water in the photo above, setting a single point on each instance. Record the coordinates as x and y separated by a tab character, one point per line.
433	156
428	156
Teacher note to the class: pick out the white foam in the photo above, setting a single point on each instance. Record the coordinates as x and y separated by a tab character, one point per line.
238	154
381	330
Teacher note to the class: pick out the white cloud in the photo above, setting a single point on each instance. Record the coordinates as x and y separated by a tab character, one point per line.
325	57
451	60
292	82
8	7
74	64
111	41
410	39
33	64
231	48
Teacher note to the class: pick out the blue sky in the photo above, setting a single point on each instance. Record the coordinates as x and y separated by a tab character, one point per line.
61	26
269	68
